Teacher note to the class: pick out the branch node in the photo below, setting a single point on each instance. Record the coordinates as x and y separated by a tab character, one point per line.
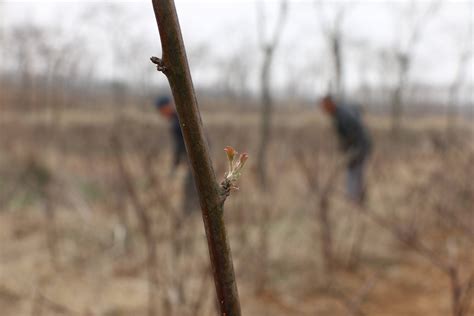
160	65
226	188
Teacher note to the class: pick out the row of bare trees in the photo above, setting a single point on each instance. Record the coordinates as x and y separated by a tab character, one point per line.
40	55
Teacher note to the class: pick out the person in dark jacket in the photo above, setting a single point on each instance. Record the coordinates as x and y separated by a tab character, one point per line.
166	108
355	143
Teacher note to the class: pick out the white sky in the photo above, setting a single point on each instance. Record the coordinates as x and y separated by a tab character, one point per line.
228	29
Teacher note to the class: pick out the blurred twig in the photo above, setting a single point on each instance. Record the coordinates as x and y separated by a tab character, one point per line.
322	189
145	224
460	293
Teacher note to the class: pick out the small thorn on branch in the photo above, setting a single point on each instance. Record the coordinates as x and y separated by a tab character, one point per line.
160	65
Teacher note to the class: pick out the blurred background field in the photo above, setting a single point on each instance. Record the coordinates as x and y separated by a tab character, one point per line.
84	156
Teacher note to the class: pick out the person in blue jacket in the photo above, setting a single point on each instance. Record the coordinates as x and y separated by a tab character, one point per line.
355	142
165	107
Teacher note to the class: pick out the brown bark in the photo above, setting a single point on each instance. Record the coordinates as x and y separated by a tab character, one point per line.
174	65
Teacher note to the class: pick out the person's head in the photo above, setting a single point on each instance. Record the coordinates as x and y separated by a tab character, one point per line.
164	105
327	104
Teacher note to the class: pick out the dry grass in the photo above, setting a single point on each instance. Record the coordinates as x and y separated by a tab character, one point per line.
422	180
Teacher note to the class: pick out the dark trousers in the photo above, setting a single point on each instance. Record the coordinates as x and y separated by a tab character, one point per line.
190	196
355	184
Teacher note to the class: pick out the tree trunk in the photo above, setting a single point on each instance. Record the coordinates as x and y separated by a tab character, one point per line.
266	119
326	233
397	98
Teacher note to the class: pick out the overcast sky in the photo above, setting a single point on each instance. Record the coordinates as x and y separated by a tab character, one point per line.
218	30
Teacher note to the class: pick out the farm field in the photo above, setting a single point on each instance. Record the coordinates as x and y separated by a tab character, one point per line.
71	242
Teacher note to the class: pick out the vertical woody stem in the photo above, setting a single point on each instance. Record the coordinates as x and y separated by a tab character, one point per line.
174	65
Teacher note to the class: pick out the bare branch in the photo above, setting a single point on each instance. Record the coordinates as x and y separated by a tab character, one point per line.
209	191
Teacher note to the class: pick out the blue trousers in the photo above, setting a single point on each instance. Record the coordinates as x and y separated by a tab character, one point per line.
355	185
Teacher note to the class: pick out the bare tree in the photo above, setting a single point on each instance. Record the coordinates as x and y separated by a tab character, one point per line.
365	55
322	190
461	289
146	225
353	302
465	55
123	43
268	47
332	33
234	73
28	42
2	52
2	27
404	55
39	178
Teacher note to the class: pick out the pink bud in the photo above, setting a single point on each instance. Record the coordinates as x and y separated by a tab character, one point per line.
243	158
230	152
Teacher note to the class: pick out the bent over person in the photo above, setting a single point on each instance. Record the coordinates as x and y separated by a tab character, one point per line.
190	199
354	141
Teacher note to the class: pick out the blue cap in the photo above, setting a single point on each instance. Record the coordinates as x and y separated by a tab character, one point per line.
162	101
